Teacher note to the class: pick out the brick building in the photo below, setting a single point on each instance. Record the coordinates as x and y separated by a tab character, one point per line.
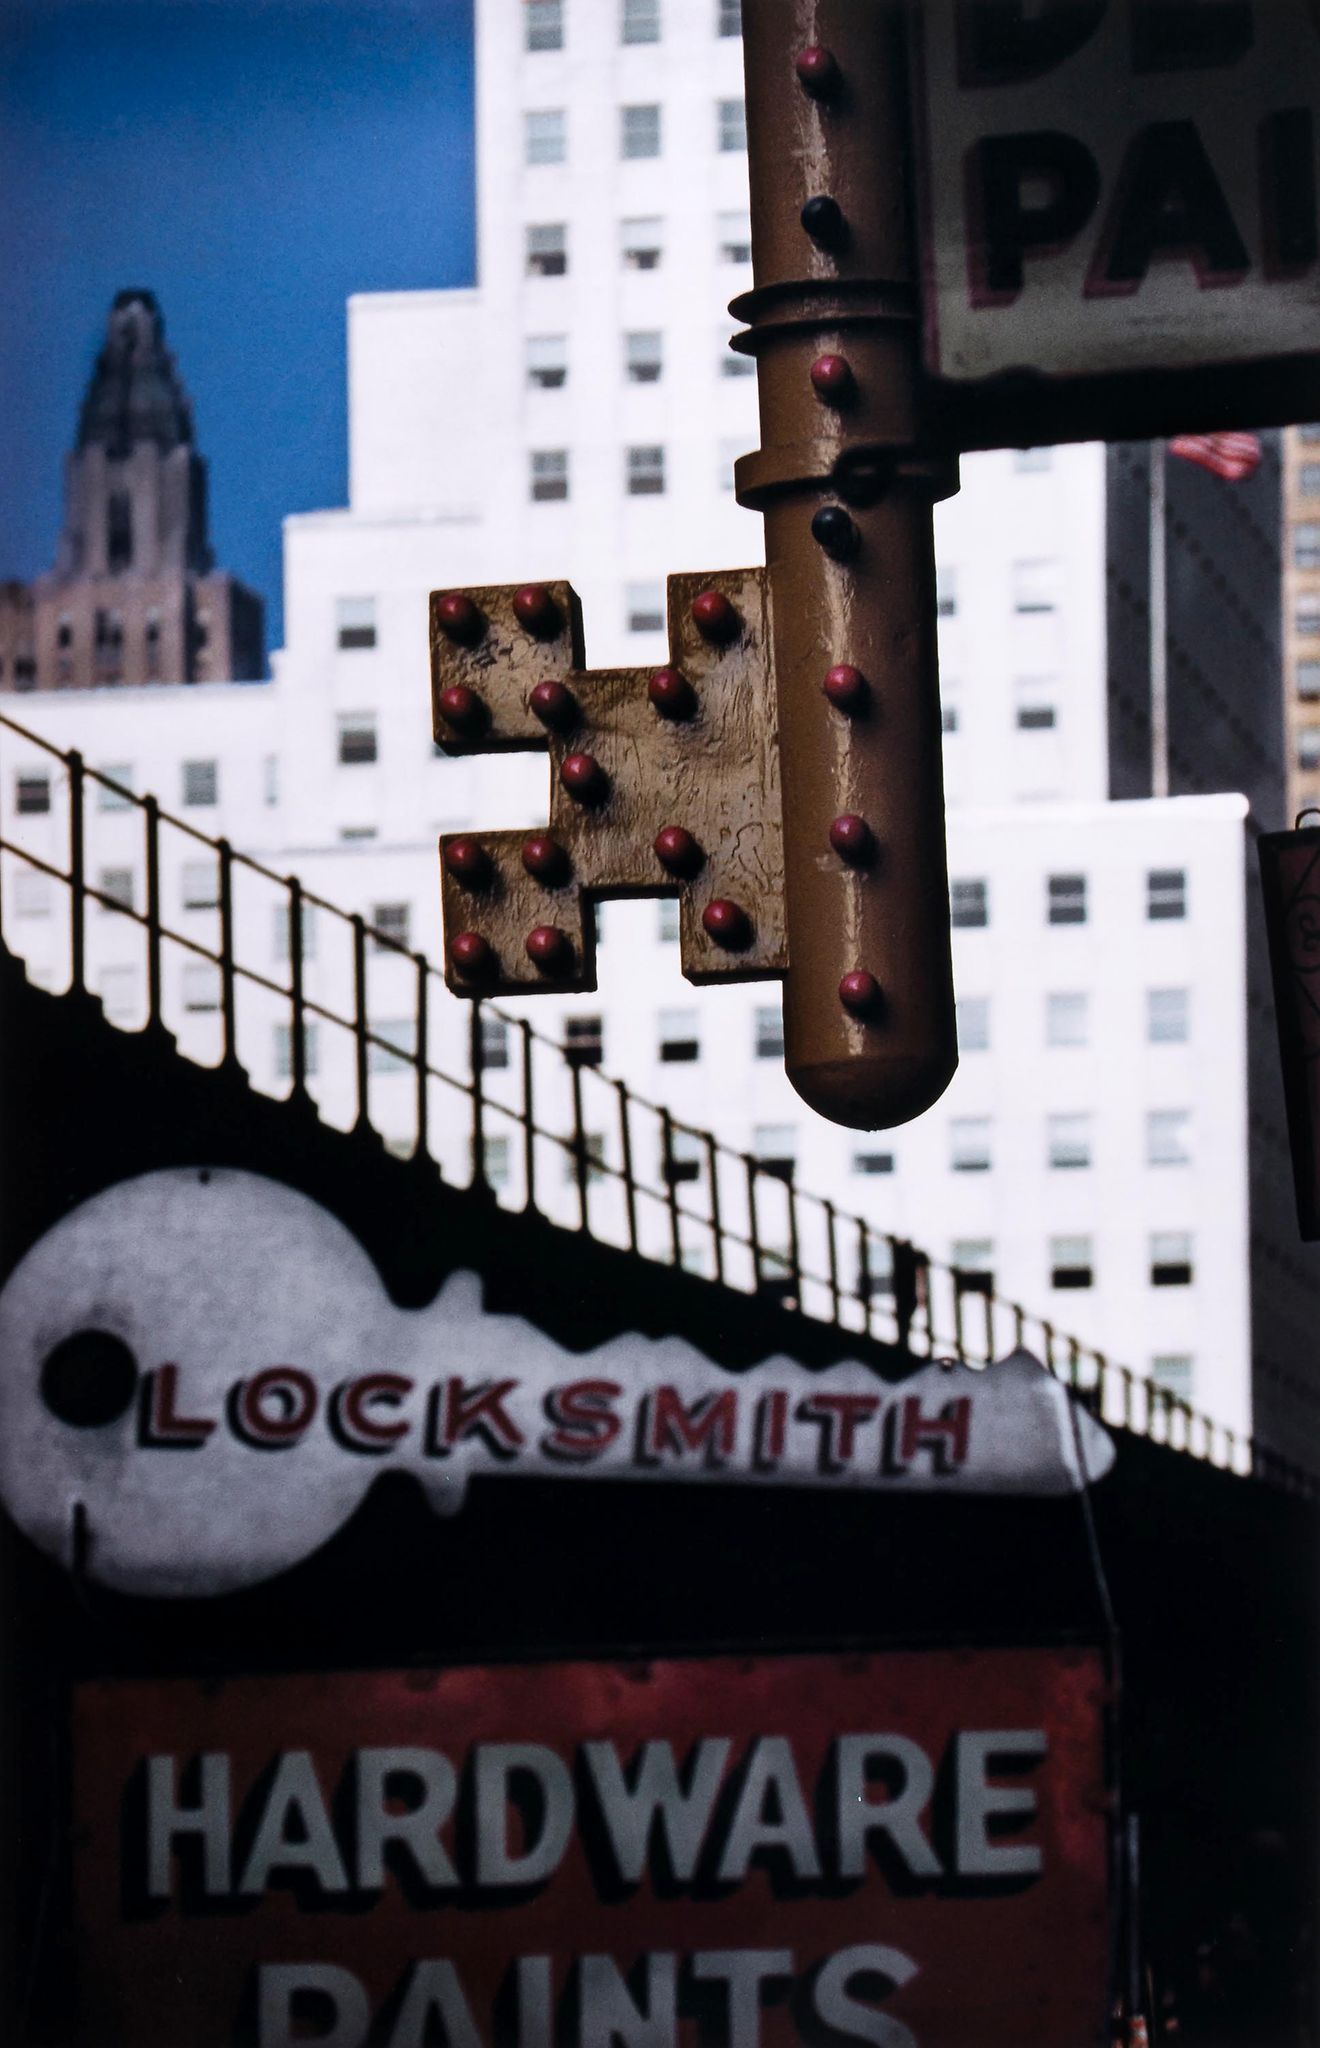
134	596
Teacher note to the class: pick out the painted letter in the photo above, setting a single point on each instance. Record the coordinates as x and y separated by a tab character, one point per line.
418	1830
977	1750
167	1821
898	1816
656	1794
770	1768
278	1986
496	1764
295	1793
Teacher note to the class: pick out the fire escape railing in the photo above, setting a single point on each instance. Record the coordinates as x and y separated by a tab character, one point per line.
751	1226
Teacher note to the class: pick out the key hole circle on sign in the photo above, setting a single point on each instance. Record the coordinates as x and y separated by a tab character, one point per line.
89	1379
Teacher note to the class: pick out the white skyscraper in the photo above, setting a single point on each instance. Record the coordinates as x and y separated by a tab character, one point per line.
577	413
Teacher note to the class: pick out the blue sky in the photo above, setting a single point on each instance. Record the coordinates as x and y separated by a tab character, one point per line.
252	162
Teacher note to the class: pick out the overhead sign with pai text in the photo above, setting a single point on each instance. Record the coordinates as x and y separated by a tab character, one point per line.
903	1848
1119	186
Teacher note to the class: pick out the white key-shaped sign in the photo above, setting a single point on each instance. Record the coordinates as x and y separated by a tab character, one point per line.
201	1371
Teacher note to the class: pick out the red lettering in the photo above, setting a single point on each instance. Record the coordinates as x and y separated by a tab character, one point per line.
708	1427
163	1427
840	1417
273	1409
944	1435
351	1414
585	1424
771	1430
459	1412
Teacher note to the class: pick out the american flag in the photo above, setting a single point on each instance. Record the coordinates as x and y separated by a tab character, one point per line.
1234	456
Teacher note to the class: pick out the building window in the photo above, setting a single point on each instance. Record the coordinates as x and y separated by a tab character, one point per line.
201	987
547	361
1067	899
390	926
769	1032
969	1144
1306	546
118	990
356	835
545	136
1171	1258
666	921
1308	479
1035	587
642	357
1069	1141
494	1041
1307	676
119	798
25	672
32	794
270	779
685	1157
357	738
153	645
972	1259
644	605
584	1041
946	590
1067	1019
728	17
969	904
1168	1015
642	244
1306	614
1308	746
1166	893
284	1051
973	1013
1032	461
201	784
1036	704
549	475
1172	1373
201	885
774	1148
1071	1262
31	893
734	237
872	1162
544	23
116	886
731	125
640	21
282	932
399	1044
728	454
64	632
593	1148
639	131
495	1161
355	621
679	1036
731	361
646	472
547	250
1169	1137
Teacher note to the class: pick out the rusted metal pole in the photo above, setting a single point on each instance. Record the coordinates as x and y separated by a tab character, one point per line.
847	498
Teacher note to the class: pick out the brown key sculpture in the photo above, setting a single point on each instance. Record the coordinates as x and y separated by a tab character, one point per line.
782	773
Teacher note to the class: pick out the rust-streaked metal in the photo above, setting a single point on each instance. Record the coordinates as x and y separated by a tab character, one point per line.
875	610
712	774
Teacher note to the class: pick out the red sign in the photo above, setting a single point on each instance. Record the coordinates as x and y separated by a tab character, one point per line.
904	1848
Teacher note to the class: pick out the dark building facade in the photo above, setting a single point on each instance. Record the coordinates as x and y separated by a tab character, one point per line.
1226	731
134	596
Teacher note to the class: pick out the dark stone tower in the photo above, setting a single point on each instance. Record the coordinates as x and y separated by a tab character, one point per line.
134	596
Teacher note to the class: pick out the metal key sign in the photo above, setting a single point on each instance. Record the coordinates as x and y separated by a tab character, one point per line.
1118	188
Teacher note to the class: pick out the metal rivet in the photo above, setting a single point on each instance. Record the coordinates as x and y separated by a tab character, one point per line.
678	851
833	530
823	220
468	862
463	708
859	992
818	72
545	859
846	688
714	616
459	618
584	778
832	379
555	705
672	694
472	956
852	839
727	923
534	608
548	949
